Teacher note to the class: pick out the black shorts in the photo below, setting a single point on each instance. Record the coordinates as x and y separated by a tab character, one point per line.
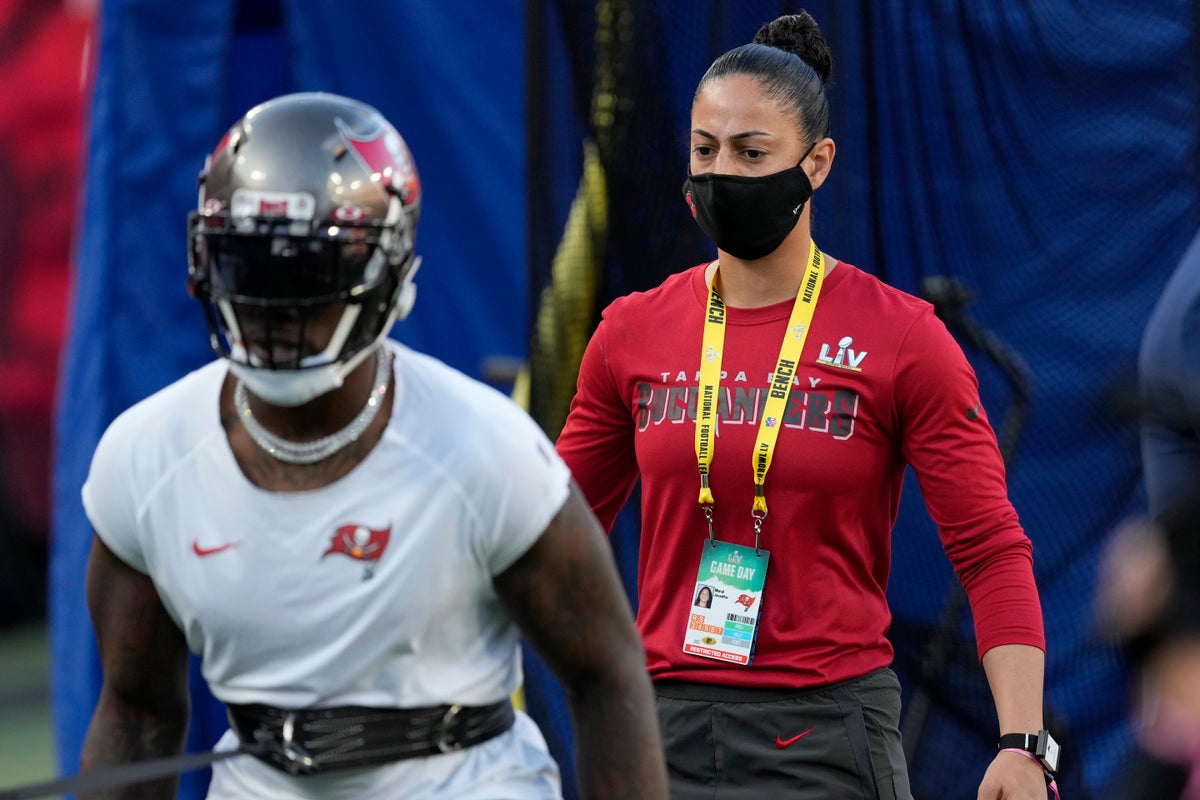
839	742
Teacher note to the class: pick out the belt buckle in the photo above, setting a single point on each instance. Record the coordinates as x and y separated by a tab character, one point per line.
296	759
444	737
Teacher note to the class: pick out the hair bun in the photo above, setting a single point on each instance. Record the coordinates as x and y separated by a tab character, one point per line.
799	34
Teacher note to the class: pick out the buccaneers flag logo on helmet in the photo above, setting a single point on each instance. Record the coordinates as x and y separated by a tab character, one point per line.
360	543
386	156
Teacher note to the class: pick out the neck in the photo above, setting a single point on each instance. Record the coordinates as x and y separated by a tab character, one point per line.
766	281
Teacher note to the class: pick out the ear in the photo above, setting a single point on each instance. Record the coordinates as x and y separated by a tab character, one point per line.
819	162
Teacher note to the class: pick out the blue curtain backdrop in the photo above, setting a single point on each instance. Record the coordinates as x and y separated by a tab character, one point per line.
1042	153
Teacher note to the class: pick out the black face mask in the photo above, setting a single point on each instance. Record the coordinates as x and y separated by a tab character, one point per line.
748	217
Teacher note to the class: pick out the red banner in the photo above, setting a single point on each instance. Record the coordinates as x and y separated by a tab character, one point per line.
43	80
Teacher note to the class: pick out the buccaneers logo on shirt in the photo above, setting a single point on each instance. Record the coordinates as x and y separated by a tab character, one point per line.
360	543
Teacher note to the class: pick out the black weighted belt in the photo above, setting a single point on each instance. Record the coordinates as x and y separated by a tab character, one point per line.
304	741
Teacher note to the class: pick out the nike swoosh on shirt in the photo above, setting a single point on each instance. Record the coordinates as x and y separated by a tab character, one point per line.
204	552
782	743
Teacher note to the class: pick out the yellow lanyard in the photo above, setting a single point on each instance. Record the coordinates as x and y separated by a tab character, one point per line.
781	382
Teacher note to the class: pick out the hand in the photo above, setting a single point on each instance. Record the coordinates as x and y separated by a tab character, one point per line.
1173	674
1012	776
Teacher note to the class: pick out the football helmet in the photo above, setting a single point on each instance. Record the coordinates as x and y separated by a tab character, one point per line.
311	200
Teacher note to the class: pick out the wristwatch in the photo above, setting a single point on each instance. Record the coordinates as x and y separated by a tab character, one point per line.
1040	744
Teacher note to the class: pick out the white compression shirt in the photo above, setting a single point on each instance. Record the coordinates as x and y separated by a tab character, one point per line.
375	590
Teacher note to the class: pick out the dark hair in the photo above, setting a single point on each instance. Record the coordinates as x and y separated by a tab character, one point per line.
791	61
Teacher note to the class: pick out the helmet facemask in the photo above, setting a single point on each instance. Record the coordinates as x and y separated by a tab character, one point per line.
262	284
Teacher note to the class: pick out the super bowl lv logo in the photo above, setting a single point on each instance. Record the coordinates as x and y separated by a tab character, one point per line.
360	543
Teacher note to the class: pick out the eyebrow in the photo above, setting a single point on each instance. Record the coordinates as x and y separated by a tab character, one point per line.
736	136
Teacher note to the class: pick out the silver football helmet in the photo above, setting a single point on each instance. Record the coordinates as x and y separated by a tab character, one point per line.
311	200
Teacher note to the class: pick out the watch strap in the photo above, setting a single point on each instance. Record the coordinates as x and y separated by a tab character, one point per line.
1021	741
1040	746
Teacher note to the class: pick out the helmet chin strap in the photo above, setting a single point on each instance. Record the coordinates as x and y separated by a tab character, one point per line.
318	374
295	387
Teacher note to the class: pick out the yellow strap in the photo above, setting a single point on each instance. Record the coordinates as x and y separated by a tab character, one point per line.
710	381
785	368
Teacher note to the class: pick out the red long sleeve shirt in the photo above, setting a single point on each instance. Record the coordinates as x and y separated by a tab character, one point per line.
881	384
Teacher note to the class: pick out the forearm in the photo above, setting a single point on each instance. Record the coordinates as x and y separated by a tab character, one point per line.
1016	673
618	751
567	597
121	734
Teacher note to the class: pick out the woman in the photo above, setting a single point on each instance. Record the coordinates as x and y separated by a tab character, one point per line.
812	386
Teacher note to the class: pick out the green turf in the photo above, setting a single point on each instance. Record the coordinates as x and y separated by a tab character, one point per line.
26	742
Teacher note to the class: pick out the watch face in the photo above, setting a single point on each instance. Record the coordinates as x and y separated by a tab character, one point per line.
1047	751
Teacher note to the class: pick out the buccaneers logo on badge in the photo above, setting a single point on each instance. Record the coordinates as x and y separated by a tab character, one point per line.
360	543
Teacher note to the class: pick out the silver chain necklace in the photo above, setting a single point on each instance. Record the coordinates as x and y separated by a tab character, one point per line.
318	449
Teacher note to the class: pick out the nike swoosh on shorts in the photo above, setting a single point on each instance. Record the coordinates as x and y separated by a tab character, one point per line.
781	743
